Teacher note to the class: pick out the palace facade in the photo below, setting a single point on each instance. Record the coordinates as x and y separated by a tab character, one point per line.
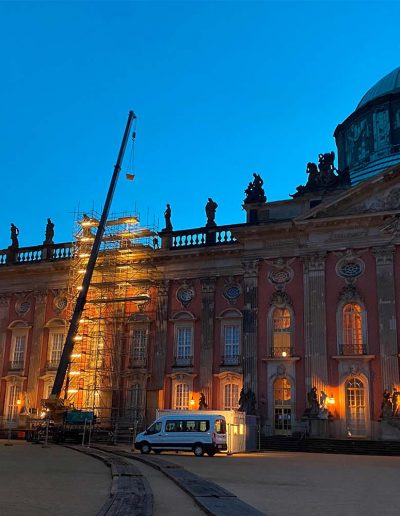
304	294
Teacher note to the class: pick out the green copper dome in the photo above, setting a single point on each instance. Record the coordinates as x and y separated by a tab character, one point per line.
388	84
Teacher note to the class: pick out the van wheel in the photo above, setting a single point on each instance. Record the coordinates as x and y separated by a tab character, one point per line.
198	450
211	453
145	448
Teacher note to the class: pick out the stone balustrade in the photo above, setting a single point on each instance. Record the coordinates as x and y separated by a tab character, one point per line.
37	253
197	237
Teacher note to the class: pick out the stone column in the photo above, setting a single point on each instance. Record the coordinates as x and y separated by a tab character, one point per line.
39	320
250	281
384	257
4	316
160	345
207	337
315	357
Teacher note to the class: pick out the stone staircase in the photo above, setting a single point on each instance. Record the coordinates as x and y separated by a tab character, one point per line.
345	446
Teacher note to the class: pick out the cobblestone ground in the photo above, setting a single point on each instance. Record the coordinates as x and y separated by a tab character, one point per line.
304	484
52	481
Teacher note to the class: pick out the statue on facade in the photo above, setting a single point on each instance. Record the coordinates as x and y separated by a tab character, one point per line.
211	208
323	176
395	402
49	232
14	236
255	191
312	399
247	402
202	402
167	216
386	405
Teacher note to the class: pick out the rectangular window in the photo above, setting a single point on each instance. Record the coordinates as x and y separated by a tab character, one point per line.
56	347
231	344
139	346
182	396
220	426
13	397
19	352
231	396
184	345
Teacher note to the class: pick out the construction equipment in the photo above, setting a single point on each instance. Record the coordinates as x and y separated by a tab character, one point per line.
56	411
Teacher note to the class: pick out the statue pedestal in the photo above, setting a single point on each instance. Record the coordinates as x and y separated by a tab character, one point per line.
390	429
318	427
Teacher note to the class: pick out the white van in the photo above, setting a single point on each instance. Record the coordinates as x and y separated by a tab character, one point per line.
198	433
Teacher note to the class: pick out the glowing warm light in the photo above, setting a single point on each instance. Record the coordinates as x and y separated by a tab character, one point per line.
284	354
18	402
84	255
192	402
87	239
76	355
78	288
82	271
71	391
78	337
331	400
74	373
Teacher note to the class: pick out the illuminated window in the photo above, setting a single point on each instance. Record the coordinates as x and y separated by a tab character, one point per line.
231	396
139	346
56	347
353	330
281	332
355	408
282	406
13	397
182	396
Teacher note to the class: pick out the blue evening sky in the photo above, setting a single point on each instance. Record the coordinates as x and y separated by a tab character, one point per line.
221	89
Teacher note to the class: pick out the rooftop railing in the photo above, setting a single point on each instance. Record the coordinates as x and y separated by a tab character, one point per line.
197	237
37	253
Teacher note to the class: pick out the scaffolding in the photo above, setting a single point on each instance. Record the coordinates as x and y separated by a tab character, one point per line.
107	372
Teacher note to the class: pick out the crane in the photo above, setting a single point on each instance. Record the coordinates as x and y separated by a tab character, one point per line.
54	403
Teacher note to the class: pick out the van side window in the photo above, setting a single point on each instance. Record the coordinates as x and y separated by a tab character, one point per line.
174	426
220	426
155	428
204	426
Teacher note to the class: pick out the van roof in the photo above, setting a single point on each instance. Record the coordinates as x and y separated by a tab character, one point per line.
189	416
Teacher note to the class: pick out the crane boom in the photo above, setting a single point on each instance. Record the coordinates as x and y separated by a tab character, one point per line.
81	299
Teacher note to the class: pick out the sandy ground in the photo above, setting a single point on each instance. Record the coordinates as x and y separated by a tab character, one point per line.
52	481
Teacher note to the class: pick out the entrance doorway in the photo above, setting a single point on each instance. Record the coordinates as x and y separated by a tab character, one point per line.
355	408
282	407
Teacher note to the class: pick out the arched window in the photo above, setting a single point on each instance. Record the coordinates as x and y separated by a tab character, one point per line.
281	333
282	406
353	342
355	408
182	396
231	396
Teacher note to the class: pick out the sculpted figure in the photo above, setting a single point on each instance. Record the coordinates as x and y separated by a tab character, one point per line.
395	402
386	405
14	236
49	232
313	405
211	208
167	216
202	402
255	191
312	171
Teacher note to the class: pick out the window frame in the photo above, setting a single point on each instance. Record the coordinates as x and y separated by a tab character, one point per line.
286	351
352	349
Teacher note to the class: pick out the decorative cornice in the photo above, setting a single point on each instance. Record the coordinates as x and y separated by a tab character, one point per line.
384	255
250	268
314	262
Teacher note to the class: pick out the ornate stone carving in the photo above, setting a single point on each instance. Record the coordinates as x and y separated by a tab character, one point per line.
350	267
208	285
349	293
280	274
163	287
383	255
250	268
280	299
389	201
211	208
5	300
392	228
281	370
185	294
314	262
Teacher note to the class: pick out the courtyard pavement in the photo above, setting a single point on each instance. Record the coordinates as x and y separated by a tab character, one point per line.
304	484
52	481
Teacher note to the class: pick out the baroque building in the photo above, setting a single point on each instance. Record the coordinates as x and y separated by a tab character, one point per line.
292	315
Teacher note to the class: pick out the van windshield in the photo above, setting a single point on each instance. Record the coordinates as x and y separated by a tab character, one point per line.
155	428
220	426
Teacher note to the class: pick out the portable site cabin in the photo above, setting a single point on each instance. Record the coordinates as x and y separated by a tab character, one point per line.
238	432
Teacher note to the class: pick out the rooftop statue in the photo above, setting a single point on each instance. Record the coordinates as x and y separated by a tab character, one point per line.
211	208
14	236
323	176
49	232
255	191
167	216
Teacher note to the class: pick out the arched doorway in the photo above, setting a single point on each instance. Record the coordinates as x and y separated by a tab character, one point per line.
355	408
282	407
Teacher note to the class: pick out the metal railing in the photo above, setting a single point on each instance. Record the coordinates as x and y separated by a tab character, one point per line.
281	352
137	362
183	361
51	365
230	360
16	365
352	349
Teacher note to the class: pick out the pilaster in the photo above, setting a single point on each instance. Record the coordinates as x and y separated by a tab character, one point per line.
316	367
384	257
39	320
250	294
160	344
207	337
